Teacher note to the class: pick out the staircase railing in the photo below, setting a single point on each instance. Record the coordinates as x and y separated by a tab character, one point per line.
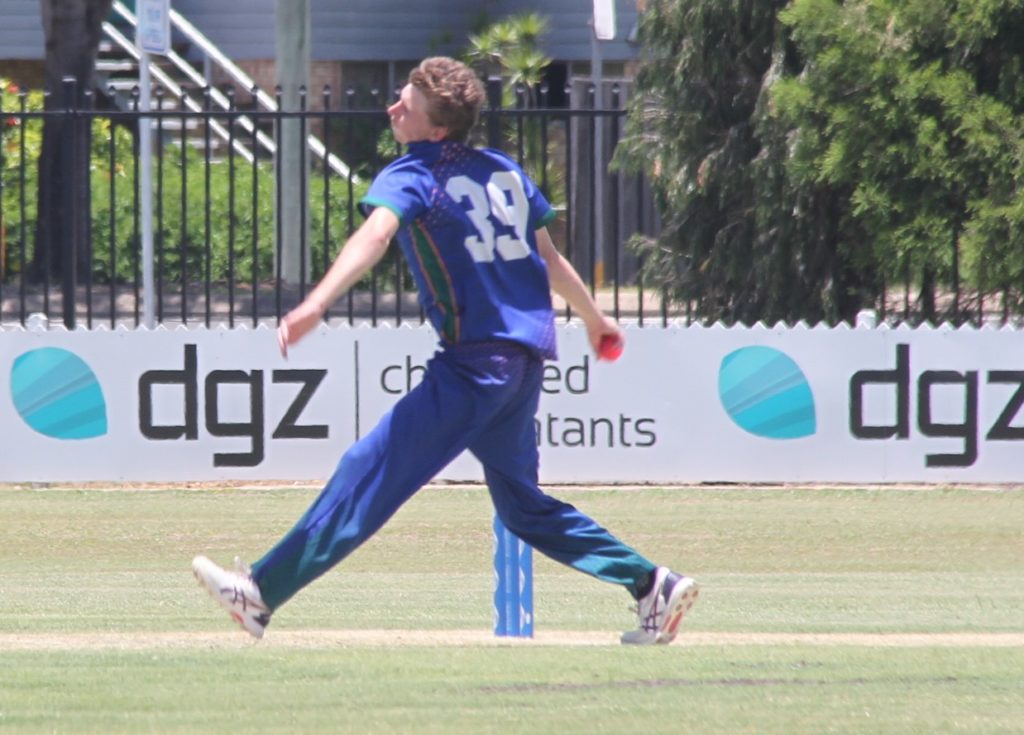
175	89
214	55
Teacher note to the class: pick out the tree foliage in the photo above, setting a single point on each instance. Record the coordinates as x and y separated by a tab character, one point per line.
20	144
806	154
914	108
509	49
235	243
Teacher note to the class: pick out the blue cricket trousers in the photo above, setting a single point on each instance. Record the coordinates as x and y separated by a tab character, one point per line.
479	396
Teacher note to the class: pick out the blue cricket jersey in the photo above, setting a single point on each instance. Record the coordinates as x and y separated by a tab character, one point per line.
468	218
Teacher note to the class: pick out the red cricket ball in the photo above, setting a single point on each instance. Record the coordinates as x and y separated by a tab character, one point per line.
610	348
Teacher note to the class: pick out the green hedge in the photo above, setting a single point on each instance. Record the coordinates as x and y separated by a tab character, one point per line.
222	243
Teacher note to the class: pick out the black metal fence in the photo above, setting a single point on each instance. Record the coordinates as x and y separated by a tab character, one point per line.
219	253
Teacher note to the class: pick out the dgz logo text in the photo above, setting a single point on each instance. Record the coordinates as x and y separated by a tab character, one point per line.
966	430
253	429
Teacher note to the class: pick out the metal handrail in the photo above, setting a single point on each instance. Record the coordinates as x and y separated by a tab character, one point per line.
117	37
240	77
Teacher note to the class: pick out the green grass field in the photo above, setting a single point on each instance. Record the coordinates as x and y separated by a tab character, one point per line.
847	610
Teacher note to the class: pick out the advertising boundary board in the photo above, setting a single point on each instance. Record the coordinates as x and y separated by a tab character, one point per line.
684	404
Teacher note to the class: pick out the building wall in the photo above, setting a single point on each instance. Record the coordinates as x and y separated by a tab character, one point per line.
321	74
28	74
355	30
569	36
21	30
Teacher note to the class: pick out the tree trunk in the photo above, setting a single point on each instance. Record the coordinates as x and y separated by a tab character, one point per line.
72	29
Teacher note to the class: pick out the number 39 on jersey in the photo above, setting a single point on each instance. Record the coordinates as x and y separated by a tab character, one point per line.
504	200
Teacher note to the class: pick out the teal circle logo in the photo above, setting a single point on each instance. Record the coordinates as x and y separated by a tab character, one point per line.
58	395
766	393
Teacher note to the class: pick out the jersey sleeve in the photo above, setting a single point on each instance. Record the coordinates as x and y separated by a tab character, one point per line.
541	211
403	187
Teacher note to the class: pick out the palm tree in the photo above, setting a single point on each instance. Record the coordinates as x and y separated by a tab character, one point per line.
510	49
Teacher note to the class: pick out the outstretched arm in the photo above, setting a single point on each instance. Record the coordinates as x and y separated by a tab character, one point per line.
566	282
360	253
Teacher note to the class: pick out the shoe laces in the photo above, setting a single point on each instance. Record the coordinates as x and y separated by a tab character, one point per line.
242	568
260	613
649	621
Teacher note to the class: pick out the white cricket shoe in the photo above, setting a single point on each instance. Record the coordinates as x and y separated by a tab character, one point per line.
236	593
663	609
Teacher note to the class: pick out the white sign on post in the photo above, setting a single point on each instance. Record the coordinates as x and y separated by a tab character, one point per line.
153	33
152	36
604	20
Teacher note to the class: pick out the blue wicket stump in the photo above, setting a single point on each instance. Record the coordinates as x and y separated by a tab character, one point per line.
513	590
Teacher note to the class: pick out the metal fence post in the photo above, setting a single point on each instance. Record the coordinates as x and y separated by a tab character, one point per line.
494	107
69	248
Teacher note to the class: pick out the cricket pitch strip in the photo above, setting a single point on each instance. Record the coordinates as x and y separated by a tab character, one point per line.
325	639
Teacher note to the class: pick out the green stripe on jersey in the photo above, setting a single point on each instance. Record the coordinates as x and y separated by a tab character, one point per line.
438	279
